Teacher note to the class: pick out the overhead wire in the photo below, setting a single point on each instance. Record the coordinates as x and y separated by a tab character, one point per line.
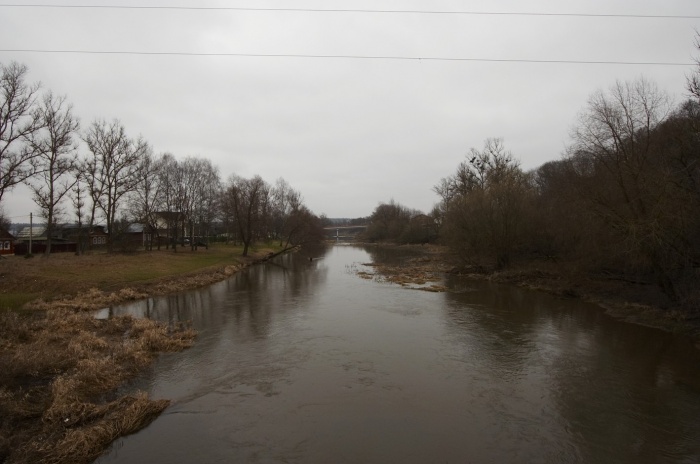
332	56
352	57
349	10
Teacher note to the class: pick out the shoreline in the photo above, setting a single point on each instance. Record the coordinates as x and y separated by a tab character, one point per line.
95	299
63	367
609	296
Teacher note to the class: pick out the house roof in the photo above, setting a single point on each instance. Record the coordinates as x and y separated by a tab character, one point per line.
4	233
136	228
74	227
169	215
33	231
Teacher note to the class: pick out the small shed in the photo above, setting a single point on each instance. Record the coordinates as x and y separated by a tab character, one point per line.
138	234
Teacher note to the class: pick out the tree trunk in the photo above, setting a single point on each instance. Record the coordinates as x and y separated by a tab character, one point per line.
49	231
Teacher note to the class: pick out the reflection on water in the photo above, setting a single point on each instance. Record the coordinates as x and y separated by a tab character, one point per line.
302	361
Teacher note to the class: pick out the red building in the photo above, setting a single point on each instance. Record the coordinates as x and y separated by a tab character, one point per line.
7	242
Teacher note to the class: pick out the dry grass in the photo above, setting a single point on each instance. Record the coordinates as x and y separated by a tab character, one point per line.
61	366
61	370
418	273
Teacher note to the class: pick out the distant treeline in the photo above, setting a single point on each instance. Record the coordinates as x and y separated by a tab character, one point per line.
101	175
623	200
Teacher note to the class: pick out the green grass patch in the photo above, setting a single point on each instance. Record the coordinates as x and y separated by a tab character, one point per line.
14	301
64	274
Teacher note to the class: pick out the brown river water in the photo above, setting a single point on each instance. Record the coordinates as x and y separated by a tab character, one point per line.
302	361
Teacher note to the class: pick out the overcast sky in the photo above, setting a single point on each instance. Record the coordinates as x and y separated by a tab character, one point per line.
347	133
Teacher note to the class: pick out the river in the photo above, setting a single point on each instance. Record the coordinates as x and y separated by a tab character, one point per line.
301	361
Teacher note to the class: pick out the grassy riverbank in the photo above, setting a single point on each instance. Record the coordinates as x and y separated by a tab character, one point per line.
65	276
61	367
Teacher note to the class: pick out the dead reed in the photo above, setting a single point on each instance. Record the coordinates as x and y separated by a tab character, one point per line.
60	367
60	370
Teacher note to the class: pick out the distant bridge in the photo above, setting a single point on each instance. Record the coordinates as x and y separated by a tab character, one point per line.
344	232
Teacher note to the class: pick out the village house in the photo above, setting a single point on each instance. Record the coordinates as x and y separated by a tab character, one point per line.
33	239
96	235
7	242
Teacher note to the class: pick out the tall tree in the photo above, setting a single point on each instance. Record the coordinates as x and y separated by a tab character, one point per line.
77	196
247	201
693	81
169	179
303	227
113	167
56	148
194	175
209	196
19	121
388	221
284	203
146	197
617	162
485	205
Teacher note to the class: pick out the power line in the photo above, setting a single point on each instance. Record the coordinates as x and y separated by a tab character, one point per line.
351	57
334	10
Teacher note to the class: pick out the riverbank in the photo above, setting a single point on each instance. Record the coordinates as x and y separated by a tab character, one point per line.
627	300
61	367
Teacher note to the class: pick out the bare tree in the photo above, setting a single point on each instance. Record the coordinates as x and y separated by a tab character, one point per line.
290	220
484	205
248	201
194	174
77	196
693	81
19	120
169	178
146	197
5	222
285	202
113	167
387	222
207	210
56	149
616	160
303	227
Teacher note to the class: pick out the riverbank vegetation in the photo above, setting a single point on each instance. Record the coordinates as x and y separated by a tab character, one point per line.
61	367
621	203
619	206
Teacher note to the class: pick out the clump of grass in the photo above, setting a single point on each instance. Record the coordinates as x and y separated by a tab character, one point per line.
86	441
151	337
61	369
414	273
88	300
433	288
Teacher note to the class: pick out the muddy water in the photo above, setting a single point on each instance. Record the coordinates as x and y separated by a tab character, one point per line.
302	361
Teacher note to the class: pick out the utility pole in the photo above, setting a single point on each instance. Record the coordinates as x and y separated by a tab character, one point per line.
31	232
